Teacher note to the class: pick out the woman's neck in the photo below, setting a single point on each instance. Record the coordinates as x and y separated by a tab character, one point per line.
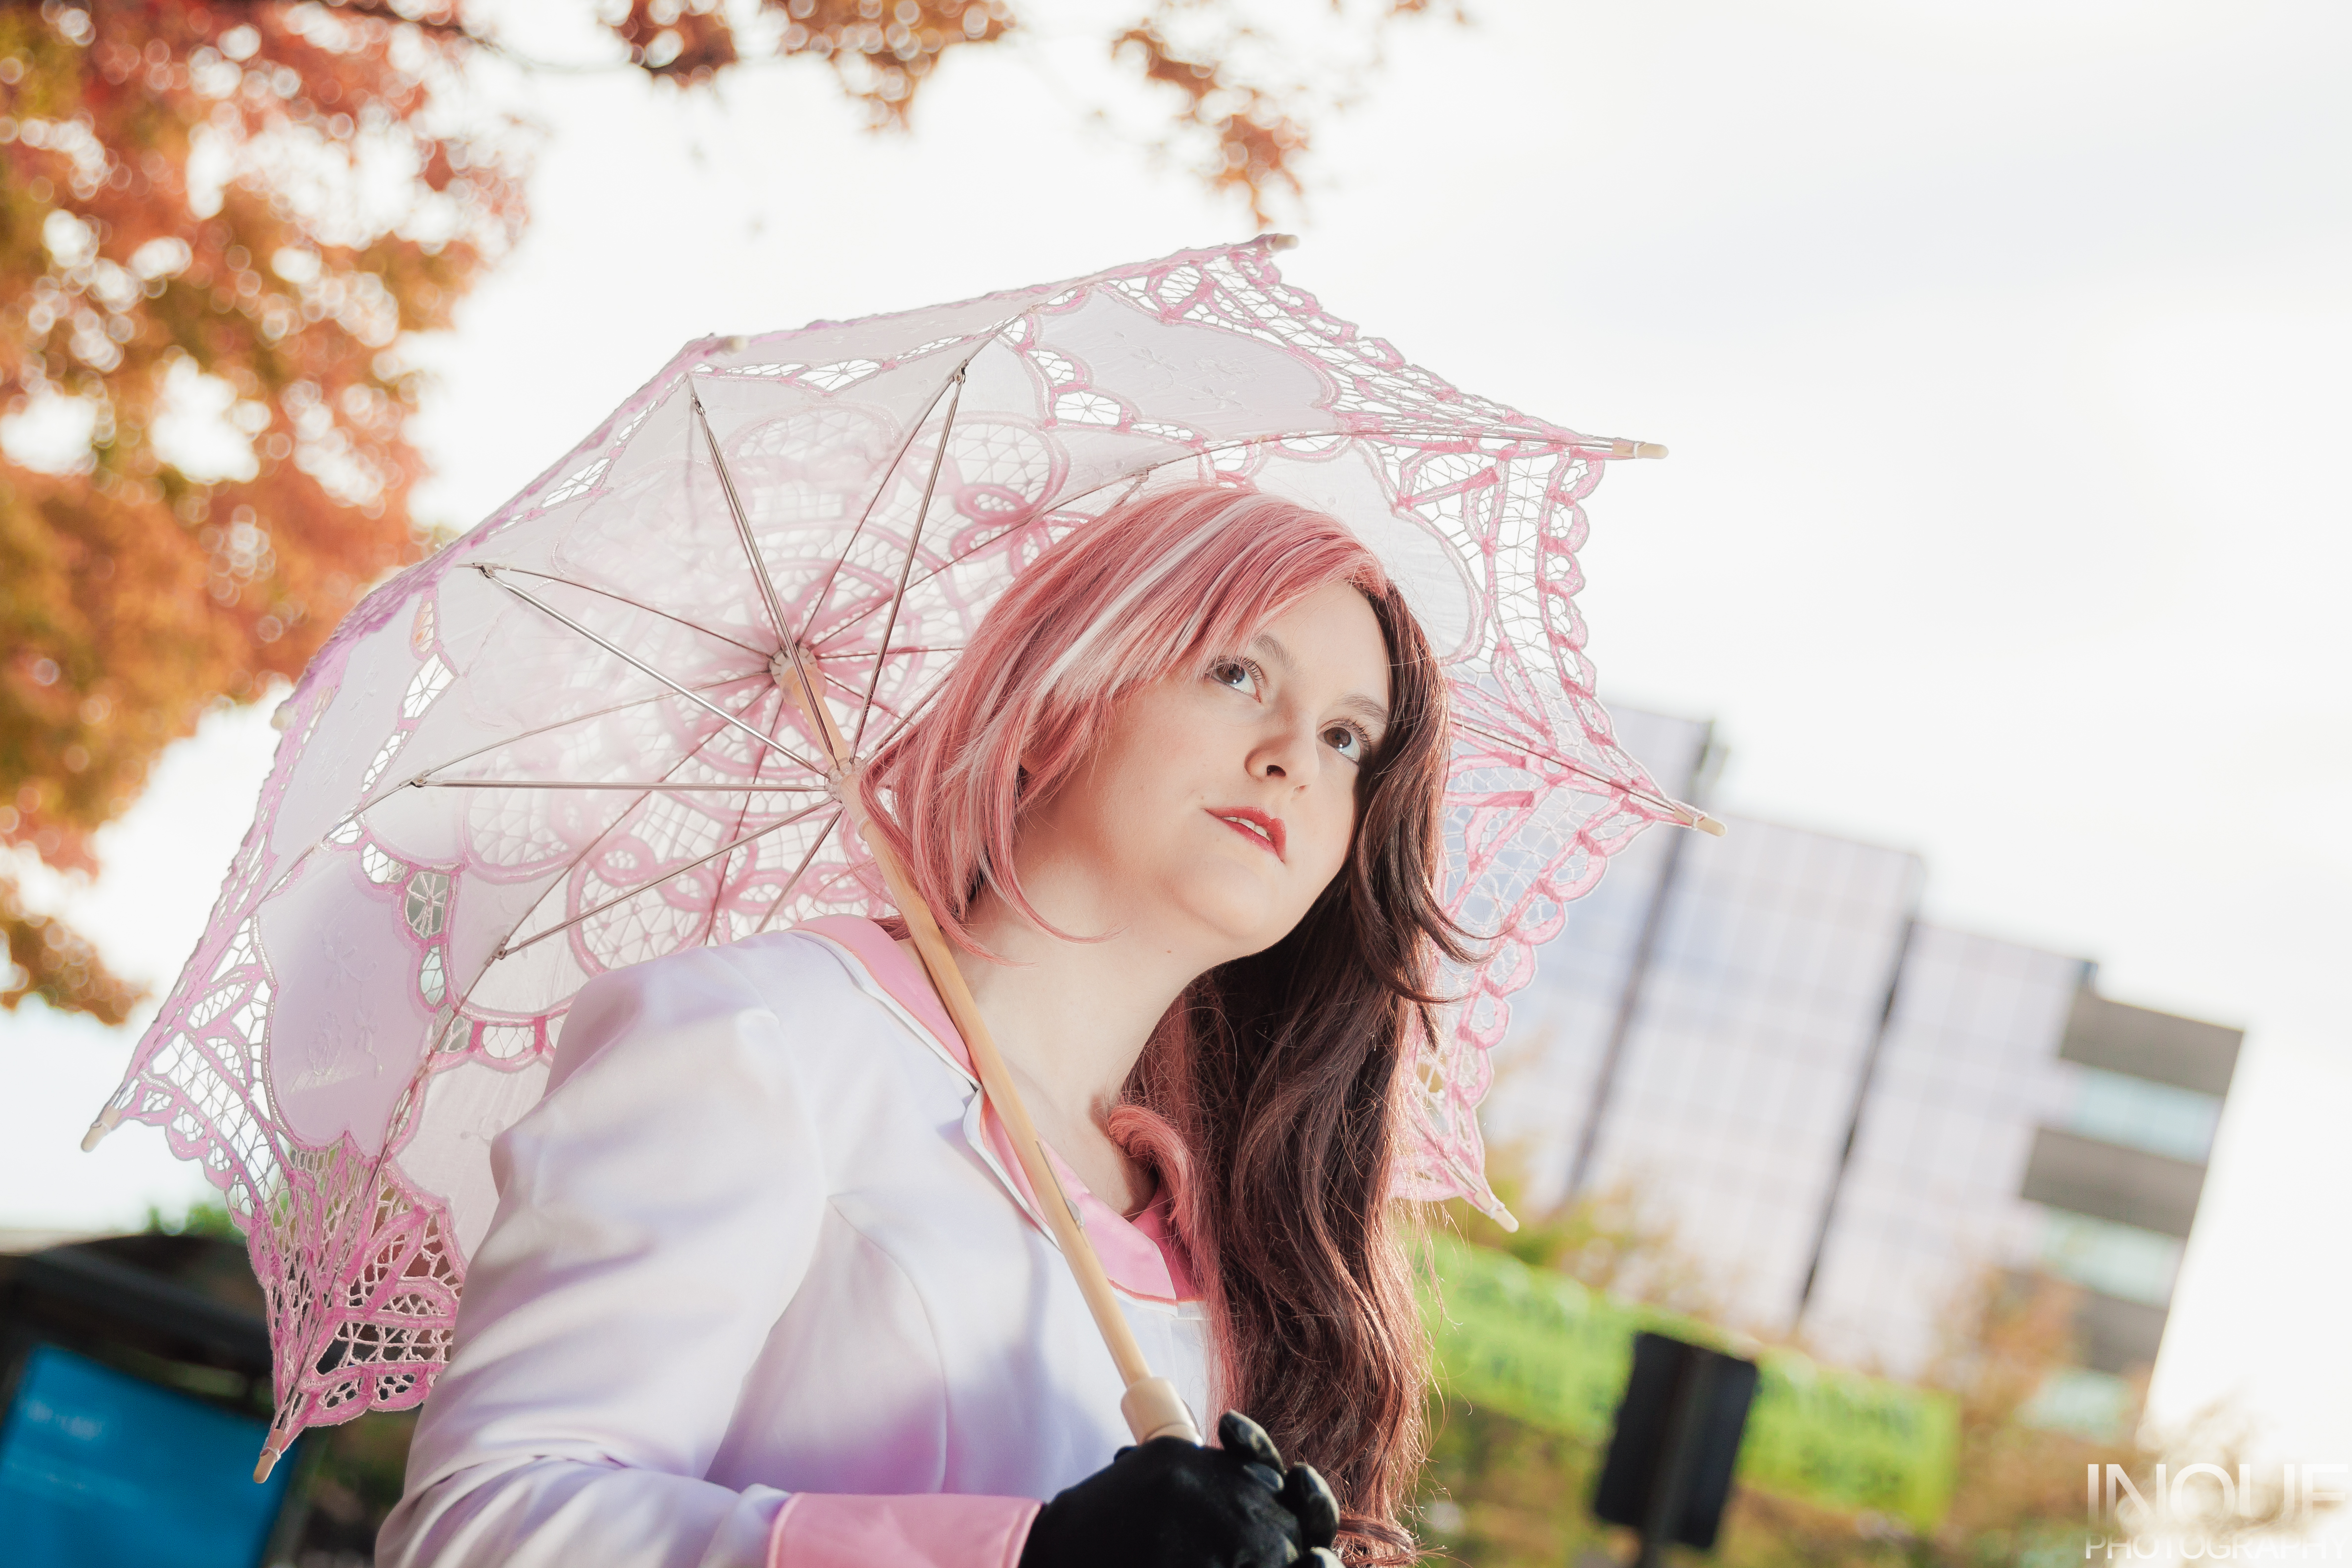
1072	1018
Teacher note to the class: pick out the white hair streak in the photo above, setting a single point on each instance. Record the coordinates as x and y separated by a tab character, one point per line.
1116	611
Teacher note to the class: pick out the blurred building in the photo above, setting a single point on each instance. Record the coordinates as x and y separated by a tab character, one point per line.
134	1397
134	1391
1847	1113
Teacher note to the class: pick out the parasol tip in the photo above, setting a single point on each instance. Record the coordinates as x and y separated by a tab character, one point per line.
108	1121
1278	241
1494	1208
263	1465
1624	449
1707	825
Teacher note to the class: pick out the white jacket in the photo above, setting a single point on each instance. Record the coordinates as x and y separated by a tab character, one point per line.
759	1240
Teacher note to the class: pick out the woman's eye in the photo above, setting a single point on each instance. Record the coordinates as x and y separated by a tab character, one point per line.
1235	673
1346	740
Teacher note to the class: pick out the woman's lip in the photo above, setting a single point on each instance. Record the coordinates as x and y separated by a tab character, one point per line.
1270	838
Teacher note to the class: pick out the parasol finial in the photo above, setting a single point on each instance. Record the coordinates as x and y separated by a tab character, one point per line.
108	1121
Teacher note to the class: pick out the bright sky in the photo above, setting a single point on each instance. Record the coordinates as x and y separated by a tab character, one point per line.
2001	349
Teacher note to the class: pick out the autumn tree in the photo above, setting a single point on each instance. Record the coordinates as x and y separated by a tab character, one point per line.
218	220
230	210
1236	86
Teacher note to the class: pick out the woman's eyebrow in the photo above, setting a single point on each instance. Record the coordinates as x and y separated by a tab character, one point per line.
1358	702
1270	645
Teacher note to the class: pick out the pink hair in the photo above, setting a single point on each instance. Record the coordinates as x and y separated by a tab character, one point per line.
1145	589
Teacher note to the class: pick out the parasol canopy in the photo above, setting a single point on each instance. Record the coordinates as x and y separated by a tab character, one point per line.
577	738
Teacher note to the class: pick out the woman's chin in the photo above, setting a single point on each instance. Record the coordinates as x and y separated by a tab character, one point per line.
1235	927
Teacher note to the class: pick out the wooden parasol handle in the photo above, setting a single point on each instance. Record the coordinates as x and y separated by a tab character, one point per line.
1151	1405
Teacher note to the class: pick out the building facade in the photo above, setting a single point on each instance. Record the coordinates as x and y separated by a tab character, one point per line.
1848	1113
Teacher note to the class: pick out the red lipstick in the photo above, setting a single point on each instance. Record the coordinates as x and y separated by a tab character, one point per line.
1259	827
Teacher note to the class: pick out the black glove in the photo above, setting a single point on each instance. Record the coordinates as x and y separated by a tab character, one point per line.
1173	1504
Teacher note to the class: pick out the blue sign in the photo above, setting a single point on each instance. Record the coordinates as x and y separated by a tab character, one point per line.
101	1470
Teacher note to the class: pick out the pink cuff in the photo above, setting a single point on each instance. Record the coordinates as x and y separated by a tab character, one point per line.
923	1529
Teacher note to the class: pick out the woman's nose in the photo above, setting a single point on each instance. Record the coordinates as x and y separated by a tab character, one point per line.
1286	753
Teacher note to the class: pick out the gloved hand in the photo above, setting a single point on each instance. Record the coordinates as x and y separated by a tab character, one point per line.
1173	1504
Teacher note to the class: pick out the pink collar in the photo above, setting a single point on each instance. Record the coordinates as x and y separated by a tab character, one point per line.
1143	1255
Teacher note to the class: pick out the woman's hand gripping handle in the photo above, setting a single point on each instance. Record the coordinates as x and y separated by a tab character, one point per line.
1168	1503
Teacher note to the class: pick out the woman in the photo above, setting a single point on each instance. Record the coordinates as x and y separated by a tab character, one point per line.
765	1285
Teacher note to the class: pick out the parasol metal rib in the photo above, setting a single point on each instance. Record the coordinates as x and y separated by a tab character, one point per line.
902	720
907	567
388	791
882	487
507	950
631	659
1151	1405
799	871
819	715
853	654
633	603
524	918
382	795
760	574
1684	816
650	786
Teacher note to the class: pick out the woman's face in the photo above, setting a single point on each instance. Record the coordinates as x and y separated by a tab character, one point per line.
1220	802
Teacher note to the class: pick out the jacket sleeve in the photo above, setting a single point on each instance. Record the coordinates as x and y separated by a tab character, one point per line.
938	1530
657	1210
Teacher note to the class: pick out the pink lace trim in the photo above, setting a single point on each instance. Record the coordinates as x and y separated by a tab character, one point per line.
1143	1255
